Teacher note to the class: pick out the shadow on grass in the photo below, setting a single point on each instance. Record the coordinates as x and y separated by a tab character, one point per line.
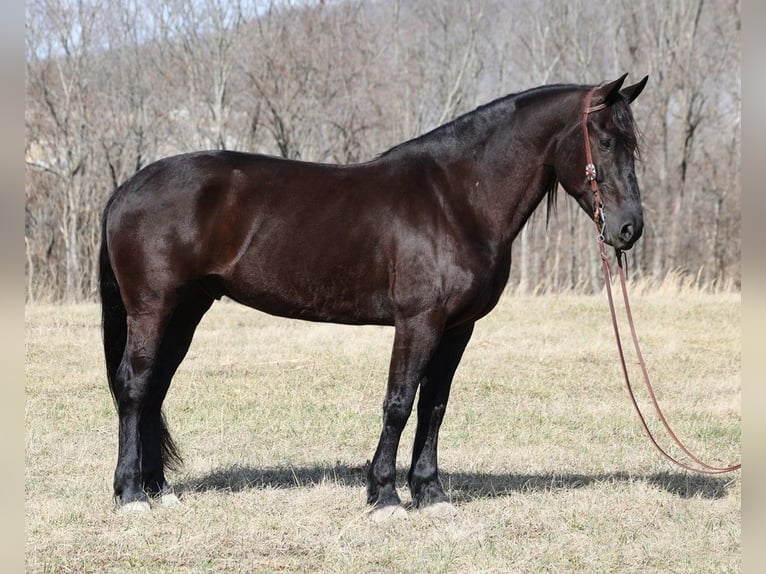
462	486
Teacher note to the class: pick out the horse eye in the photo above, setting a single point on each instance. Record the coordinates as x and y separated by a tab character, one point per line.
605	144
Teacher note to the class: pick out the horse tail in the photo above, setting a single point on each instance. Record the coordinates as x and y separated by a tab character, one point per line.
114	320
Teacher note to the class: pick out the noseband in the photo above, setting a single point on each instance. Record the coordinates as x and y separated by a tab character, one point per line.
600	220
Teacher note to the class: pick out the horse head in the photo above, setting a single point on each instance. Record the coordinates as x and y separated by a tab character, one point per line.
595	162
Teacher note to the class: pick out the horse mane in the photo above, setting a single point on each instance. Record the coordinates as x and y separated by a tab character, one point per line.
551	195
482	112
623	118
626	126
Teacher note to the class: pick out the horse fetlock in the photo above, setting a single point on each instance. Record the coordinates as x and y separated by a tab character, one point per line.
382	495
156	485
428	493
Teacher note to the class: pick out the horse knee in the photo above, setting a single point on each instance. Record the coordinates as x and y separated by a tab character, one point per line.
396	411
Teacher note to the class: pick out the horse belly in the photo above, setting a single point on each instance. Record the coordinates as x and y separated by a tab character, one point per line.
311	284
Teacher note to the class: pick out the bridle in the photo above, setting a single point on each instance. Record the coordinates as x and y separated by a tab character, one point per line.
590	168
599	218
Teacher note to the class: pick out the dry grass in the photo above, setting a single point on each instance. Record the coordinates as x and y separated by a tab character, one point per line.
540	449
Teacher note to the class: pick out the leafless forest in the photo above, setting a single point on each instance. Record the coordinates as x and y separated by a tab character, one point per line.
113	85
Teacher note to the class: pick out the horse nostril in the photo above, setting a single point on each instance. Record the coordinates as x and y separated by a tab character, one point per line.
626	232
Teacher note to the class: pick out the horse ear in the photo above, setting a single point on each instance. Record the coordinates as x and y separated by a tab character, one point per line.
608	93
631	92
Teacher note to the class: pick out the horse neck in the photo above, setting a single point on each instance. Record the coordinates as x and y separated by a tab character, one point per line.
506	170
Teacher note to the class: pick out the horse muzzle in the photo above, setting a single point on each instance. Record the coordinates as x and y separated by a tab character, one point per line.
623	235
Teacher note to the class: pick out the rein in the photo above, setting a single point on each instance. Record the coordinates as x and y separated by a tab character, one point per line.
600	219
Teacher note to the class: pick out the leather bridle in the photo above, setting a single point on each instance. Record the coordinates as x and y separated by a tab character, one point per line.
599	217
590	168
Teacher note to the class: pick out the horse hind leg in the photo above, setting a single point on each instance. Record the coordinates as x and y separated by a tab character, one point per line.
133	380
158	450
157	340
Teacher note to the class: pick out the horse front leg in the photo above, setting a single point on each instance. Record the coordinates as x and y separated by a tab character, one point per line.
414	342
423	478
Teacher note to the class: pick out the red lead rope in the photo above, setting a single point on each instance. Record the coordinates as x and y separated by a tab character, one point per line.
599	218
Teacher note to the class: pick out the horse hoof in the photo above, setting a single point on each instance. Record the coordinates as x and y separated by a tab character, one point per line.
169	500
439	509
385	513
135	507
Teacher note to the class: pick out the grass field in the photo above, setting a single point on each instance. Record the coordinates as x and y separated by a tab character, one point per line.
540	449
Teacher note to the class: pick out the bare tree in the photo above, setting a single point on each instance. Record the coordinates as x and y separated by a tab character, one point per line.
692	51
61	42
203	40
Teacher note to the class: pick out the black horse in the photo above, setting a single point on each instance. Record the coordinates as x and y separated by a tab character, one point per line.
418	238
